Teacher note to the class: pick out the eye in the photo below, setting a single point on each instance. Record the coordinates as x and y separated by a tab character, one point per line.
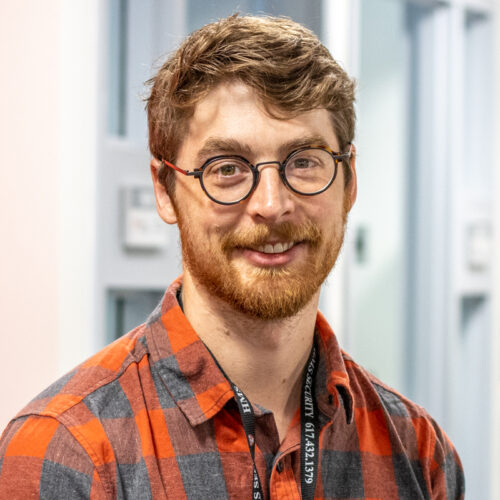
303	162
227	169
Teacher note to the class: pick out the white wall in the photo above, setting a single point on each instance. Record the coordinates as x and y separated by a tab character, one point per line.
29	192
495	351
47	97
376	282
80	127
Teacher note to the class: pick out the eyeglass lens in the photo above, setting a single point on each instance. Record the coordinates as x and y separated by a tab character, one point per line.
230	179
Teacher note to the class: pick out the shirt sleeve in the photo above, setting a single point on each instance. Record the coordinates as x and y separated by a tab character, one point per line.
445	476
40	458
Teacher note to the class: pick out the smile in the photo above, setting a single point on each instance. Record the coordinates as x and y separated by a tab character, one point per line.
273	254
276	248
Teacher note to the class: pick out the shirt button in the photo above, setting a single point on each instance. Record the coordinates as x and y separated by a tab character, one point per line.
279	466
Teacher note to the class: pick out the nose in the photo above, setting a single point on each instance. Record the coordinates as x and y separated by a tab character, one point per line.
271	200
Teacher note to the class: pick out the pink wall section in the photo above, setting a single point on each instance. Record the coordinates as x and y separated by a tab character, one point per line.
29	149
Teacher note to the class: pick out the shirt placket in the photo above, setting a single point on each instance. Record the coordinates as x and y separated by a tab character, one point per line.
283	483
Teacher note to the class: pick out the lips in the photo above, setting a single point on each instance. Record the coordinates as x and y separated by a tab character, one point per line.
258	256
272	240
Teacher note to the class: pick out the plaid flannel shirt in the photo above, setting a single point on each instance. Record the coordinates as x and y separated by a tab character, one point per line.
152	416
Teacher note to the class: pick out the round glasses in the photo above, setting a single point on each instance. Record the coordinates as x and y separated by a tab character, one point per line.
229	179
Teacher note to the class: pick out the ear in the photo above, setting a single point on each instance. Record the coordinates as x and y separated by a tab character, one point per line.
164	202
352	188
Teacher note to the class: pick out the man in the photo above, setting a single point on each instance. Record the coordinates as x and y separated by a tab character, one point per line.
236	387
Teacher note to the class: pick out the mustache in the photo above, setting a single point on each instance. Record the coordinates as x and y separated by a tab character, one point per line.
260	234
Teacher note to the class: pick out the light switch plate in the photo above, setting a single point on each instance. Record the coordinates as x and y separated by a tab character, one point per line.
143	227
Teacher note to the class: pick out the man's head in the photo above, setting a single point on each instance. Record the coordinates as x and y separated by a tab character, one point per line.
259	89
282	61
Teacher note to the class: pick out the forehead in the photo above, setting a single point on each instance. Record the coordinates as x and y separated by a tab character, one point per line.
234	111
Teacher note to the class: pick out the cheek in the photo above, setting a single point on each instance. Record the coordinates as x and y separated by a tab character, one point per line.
219	219
189	194
196	209
330	216
326	208
209	227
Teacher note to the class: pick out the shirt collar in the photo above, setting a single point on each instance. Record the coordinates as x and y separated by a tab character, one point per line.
332	380
197	385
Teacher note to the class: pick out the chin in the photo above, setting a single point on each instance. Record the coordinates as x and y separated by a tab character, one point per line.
270	293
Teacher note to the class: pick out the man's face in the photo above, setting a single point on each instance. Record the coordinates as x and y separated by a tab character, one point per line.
268	255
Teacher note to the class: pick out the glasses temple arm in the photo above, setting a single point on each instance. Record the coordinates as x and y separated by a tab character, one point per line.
182	171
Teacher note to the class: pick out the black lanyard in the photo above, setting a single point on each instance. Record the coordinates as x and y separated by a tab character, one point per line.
309	432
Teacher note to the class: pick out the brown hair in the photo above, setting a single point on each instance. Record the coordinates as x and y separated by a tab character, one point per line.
284	62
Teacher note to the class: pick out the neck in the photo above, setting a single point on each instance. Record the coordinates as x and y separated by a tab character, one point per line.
265	359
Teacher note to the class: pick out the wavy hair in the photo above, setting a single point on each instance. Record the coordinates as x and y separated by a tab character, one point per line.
284	62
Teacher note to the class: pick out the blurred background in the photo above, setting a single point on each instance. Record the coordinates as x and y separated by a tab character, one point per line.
415	297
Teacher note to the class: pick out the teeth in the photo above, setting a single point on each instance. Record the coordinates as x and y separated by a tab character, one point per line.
277	248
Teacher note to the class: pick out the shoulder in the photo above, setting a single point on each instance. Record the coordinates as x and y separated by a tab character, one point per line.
412	434
40	457
98	374
59	434
370	392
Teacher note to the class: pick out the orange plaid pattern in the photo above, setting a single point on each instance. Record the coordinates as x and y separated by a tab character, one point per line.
152	416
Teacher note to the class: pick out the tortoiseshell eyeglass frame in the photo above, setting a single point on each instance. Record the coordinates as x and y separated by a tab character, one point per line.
198	172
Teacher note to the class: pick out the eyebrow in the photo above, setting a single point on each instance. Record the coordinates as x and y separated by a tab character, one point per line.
222	146
310	140
215	146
